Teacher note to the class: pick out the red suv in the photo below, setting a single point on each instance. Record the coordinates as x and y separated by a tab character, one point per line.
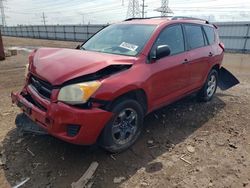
102	90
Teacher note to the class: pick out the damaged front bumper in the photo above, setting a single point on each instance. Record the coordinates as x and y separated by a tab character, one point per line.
68	123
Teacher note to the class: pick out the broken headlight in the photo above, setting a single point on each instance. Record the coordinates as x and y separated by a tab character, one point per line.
78	93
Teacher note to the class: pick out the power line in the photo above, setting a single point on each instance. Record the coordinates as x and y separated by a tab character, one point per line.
2	13
54	5
100	8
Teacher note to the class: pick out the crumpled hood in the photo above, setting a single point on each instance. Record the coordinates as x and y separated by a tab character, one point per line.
58	65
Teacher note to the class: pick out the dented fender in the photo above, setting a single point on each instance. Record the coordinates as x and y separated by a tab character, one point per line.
226	79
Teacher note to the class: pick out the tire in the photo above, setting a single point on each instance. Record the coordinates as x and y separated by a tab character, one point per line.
119	134
208	90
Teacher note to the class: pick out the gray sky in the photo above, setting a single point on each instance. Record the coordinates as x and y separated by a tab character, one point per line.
108	11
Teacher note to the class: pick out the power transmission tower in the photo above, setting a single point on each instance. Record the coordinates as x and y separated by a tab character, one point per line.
143	12
2	13
164	9
133	9
44	19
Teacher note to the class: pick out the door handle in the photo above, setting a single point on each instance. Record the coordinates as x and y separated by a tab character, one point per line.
210	54
185	61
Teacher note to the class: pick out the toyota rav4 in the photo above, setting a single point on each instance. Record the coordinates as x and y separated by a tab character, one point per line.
101	91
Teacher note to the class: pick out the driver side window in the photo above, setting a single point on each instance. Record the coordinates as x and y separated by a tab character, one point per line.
173	37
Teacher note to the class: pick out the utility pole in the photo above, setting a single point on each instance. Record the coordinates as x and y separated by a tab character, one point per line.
83	17
44	19
143	8
133	9
2	13
164	9
83	21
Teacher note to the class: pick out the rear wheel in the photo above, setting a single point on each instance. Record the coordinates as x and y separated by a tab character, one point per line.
209	88
125	126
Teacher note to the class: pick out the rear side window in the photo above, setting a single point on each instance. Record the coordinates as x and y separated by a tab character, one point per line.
173	37
194	36
210	34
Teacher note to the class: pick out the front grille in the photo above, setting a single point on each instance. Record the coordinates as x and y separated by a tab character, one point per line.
42	87
29	98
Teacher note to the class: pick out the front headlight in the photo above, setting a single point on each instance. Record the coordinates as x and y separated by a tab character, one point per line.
78	93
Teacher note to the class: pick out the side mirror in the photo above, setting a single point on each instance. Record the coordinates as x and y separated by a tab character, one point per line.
78	47
161	51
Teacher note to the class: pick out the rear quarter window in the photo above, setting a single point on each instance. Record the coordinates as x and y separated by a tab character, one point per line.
210	34
194	36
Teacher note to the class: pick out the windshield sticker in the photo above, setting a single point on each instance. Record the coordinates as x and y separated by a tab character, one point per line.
128	46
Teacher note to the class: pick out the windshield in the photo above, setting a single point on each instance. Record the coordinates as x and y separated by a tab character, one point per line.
122	39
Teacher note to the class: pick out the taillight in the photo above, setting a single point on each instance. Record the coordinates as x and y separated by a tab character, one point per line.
222	46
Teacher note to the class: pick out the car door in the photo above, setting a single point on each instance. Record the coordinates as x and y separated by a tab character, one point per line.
213	41
169	74
199	52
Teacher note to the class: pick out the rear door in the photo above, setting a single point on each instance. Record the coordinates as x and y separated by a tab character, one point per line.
199	52
213	41
169	74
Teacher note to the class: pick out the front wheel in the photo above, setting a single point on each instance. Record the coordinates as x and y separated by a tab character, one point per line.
209	88
125	126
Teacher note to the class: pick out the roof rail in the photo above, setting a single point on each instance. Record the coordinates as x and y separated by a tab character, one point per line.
188	18
129	19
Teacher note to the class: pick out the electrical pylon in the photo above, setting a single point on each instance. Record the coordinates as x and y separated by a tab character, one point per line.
164	9
2	13
133	9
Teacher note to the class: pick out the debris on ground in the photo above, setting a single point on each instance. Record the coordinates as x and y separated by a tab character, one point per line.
19	140
12	51
150	142
82	182
7	53
3	159
118	179
156	116
190	149
113	157
154	146
5	113
144	184
30	152
210	184
183	159
232	145
21	183
35	165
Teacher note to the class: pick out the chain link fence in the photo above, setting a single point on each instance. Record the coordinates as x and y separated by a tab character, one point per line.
53	32
235	35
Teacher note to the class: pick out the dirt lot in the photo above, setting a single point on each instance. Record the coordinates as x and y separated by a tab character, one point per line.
213	136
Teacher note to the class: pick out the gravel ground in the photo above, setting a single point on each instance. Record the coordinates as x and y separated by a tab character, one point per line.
186	144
